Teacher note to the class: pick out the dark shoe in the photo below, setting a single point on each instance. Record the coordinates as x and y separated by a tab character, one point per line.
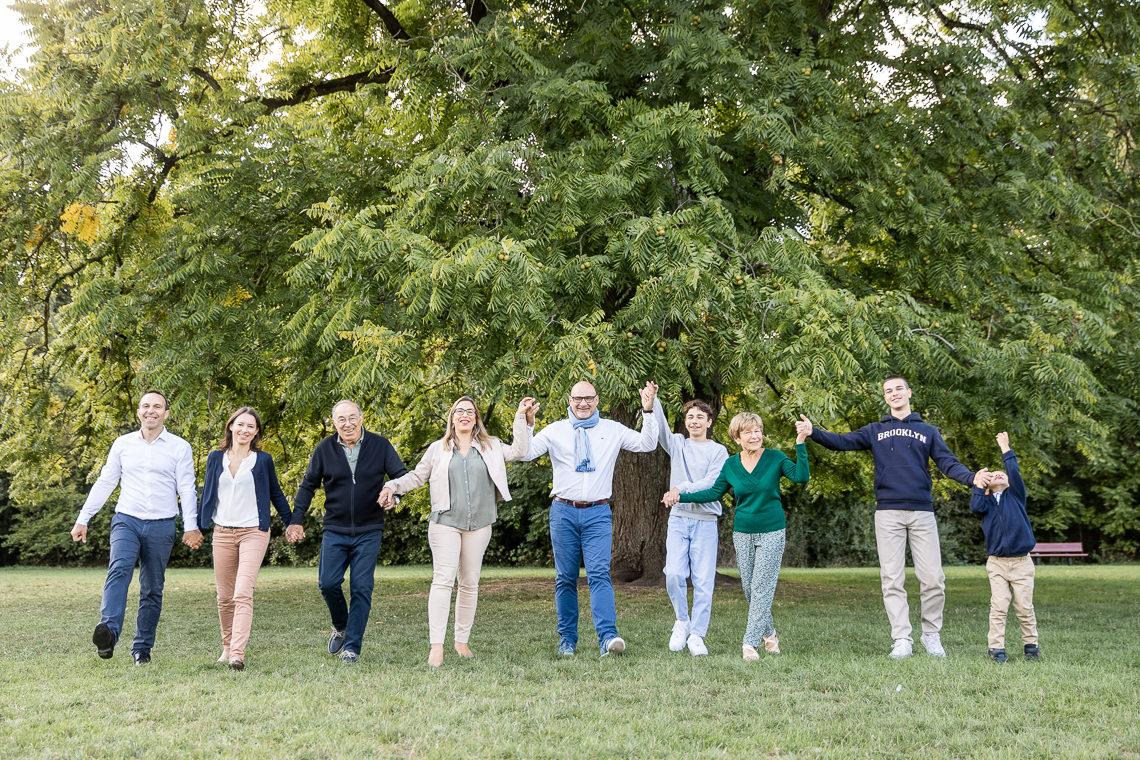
998	655
141	658
336	641
1032	652
349	657
104	640
236	664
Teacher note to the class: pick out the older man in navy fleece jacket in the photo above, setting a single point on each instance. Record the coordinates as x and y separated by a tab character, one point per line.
351	464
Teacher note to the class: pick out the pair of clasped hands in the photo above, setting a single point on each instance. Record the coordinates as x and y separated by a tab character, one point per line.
527	406
750	441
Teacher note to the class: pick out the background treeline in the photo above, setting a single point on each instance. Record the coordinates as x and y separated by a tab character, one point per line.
767	204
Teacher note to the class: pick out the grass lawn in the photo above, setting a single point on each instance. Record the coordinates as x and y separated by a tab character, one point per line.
833	693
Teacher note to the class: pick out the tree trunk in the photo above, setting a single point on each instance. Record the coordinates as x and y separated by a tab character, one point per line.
640	520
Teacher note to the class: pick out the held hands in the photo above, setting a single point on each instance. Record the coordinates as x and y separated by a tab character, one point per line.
982	479
192	538
648	394
803	428
529	407
79	533
671	497
1003	441
387	498
294	533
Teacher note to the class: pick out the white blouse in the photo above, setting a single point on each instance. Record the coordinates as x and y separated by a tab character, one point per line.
237	499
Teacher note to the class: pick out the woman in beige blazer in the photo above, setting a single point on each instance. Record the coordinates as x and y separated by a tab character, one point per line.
466	473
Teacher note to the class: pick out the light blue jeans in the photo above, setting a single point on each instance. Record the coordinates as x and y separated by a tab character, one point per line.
690	552
148	543
577	536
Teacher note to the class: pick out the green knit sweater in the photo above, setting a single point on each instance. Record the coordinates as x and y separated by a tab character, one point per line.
757	493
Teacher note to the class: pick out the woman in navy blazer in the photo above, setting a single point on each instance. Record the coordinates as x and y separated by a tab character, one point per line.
240	484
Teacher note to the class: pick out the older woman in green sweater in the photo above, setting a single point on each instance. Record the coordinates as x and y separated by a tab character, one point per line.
758	523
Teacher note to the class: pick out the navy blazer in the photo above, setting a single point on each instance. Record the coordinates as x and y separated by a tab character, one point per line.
265	485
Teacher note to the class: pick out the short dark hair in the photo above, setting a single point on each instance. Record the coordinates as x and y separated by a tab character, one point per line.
698	404
896	376
156	392
227	441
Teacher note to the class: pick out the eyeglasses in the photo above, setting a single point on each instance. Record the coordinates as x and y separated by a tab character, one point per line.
347	420
463	413
583	399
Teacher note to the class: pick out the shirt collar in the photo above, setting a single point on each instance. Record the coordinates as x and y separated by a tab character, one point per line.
163	435
359	440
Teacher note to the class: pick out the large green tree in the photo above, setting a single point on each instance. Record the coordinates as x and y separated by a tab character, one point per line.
767	204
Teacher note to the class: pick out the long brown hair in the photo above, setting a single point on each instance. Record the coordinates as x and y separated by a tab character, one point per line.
478	432
227	441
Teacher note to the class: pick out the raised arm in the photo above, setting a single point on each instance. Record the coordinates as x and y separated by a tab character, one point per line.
647	439
856	440
1013	471
797	470
520	431
948	463
664	434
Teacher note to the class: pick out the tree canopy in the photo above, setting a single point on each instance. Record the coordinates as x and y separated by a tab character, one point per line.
767	204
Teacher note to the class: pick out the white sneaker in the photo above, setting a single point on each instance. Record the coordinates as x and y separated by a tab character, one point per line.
616	645
680	633
697	646
750	654
933	644
902	649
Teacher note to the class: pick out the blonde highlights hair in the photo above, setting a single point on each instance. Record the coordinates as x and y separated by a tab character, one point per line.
744	421
479	432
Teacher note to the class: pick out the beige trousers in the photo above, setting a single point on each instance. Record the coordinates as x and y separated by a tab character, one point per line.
237	558
894	529
454	552
1011	577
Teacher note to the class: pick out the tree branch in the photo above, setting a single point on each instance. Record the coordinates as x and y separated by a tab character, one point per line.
206	77
319	89
476	11
391	23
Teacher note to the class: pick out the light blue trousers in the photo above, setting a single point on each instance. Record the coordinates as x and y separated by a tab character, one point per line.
690	552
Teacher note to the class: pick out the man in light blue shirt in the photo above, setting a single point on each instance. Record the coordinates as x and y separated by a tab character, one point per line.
155	470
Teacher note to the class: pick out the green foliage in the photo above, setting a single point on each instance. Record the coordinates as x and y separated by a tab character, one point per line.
770	205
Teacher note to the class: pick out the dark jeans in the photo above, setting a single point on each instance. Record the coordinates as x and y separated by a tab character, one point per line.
148	543
357	554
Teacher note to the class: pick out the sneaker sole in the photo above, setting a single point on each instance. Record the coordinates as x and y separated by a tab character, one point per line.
104	641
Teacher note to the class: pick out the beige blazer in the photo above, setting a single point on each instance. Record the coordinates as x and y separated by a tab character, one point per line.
432	468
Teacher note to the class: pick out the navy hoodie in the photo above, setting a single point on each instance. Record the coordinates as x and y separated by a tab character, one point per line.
350	500
902	450
1005	522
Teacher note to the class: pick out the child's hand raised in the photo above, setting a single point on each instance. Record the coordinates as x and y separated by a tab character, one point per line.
1003	441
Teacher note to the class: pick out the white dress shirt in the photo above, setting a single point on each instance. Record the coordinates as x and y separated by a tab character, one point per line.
237	499
154	477
607	439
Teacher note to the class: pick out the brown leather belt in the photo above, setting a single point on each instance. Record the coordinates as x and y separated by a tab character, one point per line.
582	504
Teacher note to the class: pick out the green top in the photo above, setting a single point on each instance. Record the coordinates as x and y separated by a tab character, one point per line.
472	493
757	493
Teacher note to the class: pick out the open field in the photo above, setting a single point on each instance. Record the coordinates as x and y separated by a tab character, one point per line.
833	693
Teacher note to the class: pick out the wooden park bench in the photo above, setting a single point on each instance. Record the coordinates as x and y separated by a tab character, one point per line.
1041	551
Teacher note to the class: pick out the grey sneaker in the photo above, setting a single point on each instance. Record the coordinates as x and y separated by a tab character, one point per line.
349	657
336	641
616	645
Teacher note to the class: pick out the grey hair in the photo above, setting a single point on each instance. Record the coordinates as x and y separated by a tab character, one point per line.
332	412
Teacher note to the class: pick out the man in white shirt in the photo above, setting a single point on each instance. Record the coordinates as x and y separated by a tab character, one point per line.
583	450
156	470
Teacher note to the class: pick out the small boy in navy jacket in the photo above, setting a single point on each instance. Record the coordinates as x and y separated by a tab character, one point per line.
1009	538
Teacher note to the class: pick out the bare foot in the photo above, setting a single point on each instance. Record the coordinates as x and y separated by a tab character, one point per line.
463	650
435	656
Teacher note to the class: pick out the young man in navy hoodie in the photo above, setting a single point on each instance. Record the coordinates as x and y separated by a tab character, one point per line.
1009	538
902	446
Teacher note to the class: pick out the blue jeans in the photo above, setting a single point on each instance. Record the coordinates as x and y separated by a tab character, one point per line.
690	552
577	535
148	543
341	552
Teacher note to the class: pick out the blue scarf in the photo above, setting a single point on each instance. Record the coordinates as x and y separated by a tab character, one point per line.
581	440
